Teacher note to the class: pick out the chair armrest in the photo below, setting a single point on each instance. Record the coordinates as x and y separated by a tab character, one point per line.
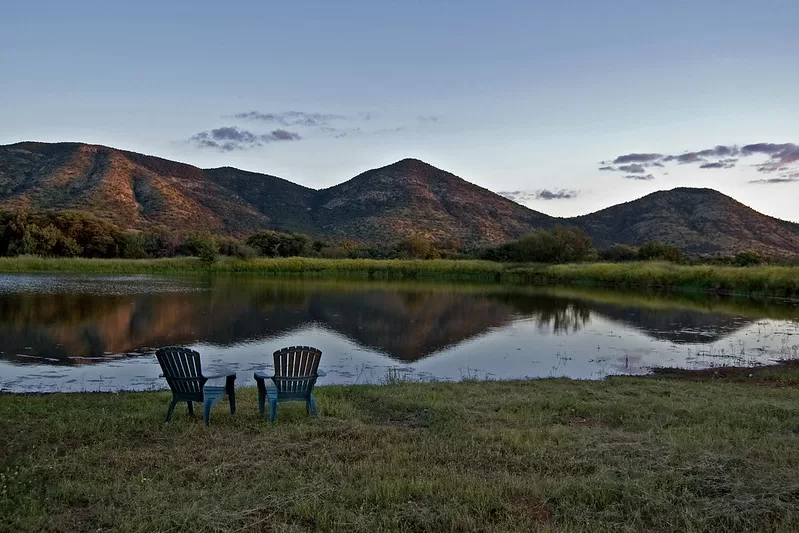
321	373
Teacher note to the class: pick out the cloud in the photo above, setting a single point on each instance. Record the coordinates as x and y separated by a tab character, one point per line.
540	194
636	158
722	163
232	138
291	118
781	157
782	179
643	177
634	168
689	157
281	135
719	151
562	194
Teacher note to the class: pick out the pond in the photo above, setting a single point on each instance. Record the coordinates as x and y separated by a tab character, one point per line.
99	333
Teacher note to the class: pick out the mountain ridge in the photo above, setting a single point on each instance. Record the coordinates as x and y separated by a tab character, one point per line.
381	205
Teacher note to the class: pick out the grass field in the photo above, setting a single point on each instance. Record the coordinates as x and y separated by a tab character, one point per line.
751	281
705	452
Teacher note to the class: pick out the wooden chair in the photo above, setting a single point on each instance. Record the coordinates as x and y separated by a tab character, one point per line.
296	371
181	368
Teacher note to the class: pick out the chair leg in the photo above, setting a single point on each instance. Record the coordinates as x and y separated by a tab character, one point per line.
172	405
261	395
311	405
207	411
272	410
191	408
231	393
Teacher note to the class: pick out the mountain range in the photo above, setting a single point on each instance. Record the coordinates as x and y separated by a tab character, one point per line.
383	205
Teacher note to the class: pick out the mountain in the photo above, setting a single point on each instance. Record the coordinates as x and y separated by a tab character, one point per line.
698	221
383	205
412	197
136	191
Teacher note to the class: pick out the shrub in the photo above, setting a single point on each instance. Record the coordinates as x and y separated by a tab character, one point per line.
749	258
201	245
560	245
656	250
618	253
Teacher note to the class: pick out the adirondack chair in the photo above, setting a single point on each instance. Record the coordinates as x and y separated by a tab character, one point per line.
296	370
181	368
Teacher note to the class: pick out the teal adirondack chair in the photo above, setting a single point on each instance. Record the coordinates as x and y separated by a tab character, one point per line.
181	368
296	370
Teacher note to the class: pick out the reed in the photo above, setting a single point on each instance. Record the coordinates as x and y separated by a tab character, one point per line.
779	281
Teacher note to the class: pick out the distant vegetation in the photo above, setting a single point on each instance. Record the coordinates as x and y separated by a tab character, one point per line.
78	234
562	255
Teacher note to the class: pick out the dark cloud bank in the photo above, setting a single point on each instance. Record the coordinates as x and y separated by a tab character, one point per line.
781	159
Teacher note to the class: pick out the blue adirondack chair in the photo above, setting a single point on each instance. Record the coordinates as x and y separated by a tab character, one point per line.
181	368
296	370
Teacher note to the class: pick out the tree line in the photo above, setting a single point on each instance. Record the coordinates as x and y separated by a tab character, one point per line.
78	234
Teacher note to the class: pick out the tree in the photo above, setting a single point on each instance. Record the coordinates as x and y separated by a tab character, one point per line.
560	245
274	244
619	252
656	250
418	247
748	258
201	245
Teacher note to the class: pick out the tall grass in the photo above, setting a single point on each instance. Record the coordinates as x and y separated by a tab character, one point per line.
751	281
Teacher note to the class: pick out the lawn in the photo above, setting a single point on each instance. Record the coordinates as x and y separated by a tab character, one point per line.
712	452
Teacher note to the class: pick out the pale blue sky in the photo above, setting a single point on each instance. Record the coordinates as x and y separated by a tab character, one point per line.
512	95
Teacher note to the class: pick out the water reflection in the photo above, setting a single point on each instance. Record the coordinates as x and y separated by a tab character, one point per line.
74	320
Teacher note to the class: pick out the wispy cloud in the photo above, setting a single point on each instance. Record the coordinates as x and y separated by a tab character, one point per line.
784	179
540	194
233	138
634	168
781	158
292	118
636	158
722	163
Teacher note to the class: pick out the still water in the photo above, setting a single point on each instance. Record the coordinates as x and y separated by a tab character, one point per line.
98	333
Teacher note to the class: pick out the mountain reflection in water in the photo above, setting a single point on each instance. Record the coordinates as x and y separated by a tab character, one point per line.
63	320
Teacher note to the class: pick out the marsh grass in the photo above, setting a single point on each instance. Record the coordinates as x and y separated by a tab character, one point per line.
624	454
750	281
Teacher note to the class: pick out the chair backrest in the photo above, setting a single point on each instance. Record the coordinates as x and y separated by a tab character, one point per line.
295	371
181	368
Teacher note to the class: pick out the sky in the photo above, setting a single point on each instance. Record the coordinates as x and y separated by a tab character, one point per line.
567	107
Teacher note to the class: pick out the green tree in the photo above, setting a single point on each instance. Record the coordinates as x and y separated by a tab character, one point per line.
201	245
749	258
656	250
618	253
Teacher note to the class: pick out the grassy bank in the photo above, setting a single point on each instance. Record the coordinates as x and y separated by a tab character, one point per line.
627	454
753	281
